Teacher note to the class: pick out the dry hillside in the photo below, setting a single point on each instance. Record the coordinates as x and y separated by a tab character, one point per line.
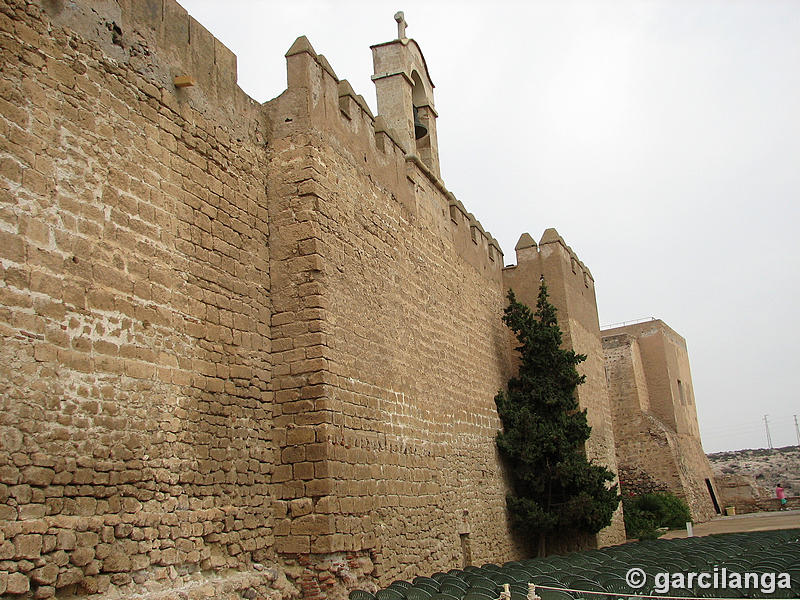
768	467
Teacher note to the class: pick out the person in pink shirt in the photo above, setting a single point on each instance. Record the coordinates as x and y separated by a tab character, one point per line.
781	496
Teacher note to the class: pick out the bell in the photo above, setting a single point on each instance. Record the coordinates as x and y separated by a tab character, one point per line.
420	131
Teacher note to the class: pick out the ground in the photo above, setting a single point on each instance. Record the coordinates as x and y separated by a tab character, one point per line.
751	522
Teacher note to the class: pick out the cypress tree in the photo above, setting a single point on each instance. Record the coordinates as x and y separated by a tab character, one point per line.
554	487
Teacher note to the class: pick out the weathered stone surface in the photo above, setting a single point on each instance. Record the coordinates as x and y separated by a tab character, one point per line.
27	546
82	556
117	562
45	575
17	583
69	577
137	368
66	539
44	591
39	476
655	420
7	550
238	333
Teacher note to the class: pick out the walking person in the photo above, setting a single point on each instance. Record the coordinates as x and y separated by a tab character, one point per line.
781	495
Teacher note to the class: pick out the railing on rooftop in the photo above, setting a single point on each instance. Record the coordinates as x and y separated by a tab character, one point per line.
624	323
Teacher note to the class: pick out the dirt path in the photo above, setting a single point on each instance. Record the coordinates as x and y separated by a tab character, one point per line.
764	521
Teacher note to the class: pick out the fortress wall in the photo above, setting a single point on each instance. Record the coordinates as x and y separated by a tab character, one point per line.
571	290
391	430
642	440
626	380
135	321
238	333
656	428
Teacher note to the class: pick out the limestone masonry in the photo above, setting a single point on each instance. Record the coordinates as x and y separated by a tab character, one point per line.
251	350
655	420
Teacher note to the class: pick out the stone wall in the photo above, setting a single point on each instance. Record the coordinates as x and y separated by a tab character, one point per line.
134	259
654	416
387	416
241	342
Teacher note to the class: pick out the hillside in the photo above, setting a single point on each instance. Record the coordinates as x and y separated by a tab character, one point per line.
768	467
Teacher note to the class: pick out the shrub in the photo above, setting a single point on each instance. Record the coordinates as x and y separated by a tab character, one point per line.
646	513
638	523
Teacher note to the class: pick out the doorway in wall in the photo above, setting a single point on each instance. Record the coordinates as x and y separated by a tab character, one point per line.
713	496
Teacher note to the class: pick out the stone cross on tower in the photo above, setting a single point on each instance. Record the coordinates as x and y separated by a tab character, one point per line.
401	24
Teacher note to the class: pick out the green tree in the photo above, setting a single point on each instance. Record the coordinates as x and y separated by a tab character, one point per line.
555	488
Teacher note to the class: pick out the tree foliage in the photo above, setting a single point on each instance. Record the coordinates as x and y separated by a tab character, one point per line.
555	488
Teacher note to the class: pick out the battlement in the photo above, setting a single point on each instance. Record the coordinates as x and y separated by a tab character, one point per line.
527	250
316	96
194	67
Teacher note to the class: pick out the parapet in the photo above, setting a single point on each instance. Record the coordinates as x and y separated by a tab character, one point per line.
316	97
188	52
551	236
643	328
528	251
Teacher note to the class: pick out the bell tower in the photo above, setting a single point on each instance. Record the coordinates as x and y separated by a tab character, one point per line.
405	95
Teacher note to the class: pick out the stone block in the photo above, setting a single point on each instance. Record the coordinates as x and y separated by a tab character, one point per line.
28	546
81	556
8	513
7	550
70	576
313	524
44	591
17	584
39	476
293	544
300	507
87	539
45	575
117	562
300	435
31	511
328	543
66	539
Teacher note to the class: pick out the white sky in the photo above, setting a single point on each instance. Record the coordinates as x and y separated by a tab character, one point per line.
661	139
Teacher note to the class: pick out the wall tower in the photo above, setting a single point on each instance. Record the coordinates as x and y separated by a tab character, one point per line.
654	415
571	288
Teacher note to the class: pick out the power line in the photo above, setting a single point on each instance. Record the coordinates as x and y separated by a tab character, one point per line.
769	437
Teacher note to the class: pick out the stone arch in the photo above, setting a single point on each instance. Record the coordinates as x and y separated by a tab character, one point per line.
419	97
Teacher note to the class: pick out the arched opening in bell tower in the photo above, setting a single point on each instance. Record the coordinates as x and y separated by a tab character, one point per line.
419	101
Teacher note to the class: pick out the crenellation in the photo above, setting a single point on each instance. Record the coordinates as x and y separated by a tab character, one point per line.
326	66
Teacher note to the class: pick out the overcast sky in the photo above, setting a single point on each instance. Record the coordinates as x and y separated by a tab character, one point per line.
661	139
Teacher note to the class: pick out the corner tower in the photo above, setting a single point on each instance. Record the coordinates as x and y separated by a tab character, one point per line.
405	95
